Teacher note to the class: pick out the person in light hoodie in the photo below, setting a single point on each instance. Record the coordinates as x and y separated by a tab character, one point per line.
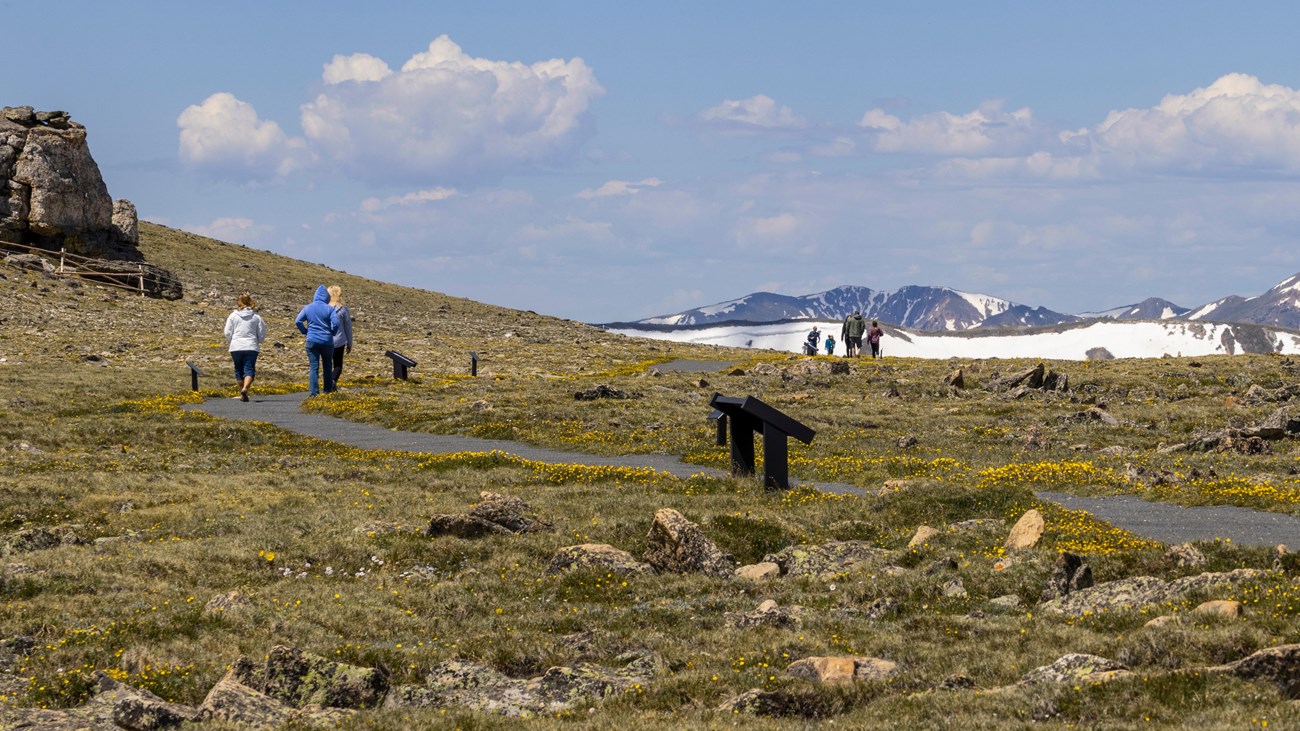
343	340
245	332
320	323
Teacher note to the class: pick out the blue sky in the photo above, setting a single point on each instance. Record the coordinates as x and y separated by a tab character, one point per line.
611	161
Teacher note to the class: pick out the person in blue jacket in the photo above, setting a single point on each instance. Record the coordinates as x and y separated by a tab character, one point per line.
320	323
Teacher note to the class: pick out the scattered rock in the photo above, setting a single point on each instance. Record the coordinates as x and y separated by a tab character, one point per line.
827	559
602	392
768	614
955	379
1278	665
906	441
1093	415
596	556
1141	591
1027	531
1163	620
922	535
1185	554
1006	601
845	669
39	538
298	679
1072	668
880	608
677	545
226	602
509	513
1225	608
1069	574
463	526
759	571
954	589
774	703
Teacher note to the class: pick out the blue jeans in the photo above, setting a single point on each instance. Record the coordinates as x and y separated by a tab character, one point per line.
245	364
320	359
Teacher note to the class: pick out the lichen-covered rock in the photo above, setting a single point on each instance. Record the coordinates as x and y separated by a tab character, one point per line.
508	512
1185	554
768	614
126	221
598	557
759	702
1071	668
1278	665
482	688
827	559
39	538
299	679
923	534
677	545
463	526
1142	591
232	701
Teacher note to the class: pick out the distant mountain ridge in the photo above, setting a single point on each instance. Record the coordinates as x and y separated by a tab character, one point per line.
937	309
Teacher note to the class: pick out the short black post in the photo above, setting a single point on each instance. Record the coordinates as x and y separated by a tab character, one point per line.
194	376
721	421
776	455
400	363
473	363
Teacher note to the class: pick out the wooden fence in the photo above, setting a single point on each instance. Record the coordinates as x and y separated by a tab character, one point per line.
82	267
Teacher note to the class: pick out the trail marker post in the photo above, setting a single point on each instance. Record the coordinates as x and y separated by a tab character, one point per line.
400	363
744	417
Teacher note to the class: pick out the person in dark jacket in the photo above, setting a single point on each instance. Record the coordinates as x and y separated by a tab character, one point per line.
320	323
851	333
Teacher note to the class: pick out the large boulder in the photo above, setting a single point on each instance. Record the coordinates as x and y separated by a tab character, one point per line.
51	190
677	545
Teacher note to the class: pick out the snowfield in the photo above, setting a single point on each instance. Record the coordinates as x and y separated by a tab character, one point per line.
1135	339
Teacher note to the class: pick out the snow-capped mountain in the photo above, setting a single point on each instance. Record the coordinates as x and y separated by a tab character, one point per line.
1278	306
1151	308
942	309
916	307
1086	340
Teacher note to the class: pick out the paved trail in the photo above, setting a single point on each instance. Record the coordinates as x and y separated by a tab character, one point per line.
1157	521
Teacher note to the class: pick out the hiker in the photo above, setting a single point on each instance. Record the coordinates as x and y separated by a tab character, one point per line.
854	327
830	345
814	339
319	322
342	340
245	332
874	336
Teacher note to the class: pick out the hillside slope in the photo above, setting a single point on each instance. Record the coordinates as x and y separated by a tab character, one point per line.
66	321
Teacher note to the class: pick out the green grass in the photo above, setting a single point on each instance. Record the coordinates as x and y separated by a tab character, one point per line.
194	508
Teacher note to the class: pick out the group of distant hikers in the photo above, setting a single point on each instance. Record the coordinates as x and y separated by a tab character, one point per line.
326	322
852	333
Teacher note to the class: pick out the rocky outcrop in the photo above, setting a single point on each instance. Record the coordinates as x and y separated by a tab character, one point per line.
482	688
677	545
1142	591
597	557
300	679
493	515
827	559
51	192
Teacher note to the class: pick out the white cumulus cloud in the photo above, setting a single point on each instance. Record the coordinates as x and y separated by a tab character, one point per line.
357	67
448	116
619	188
1238	122
443	117
225	135
759	111
371	205
984	131
233	229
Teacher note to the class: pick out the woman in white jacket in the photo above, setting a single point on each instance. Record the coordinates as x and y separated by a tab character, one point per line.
245	332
